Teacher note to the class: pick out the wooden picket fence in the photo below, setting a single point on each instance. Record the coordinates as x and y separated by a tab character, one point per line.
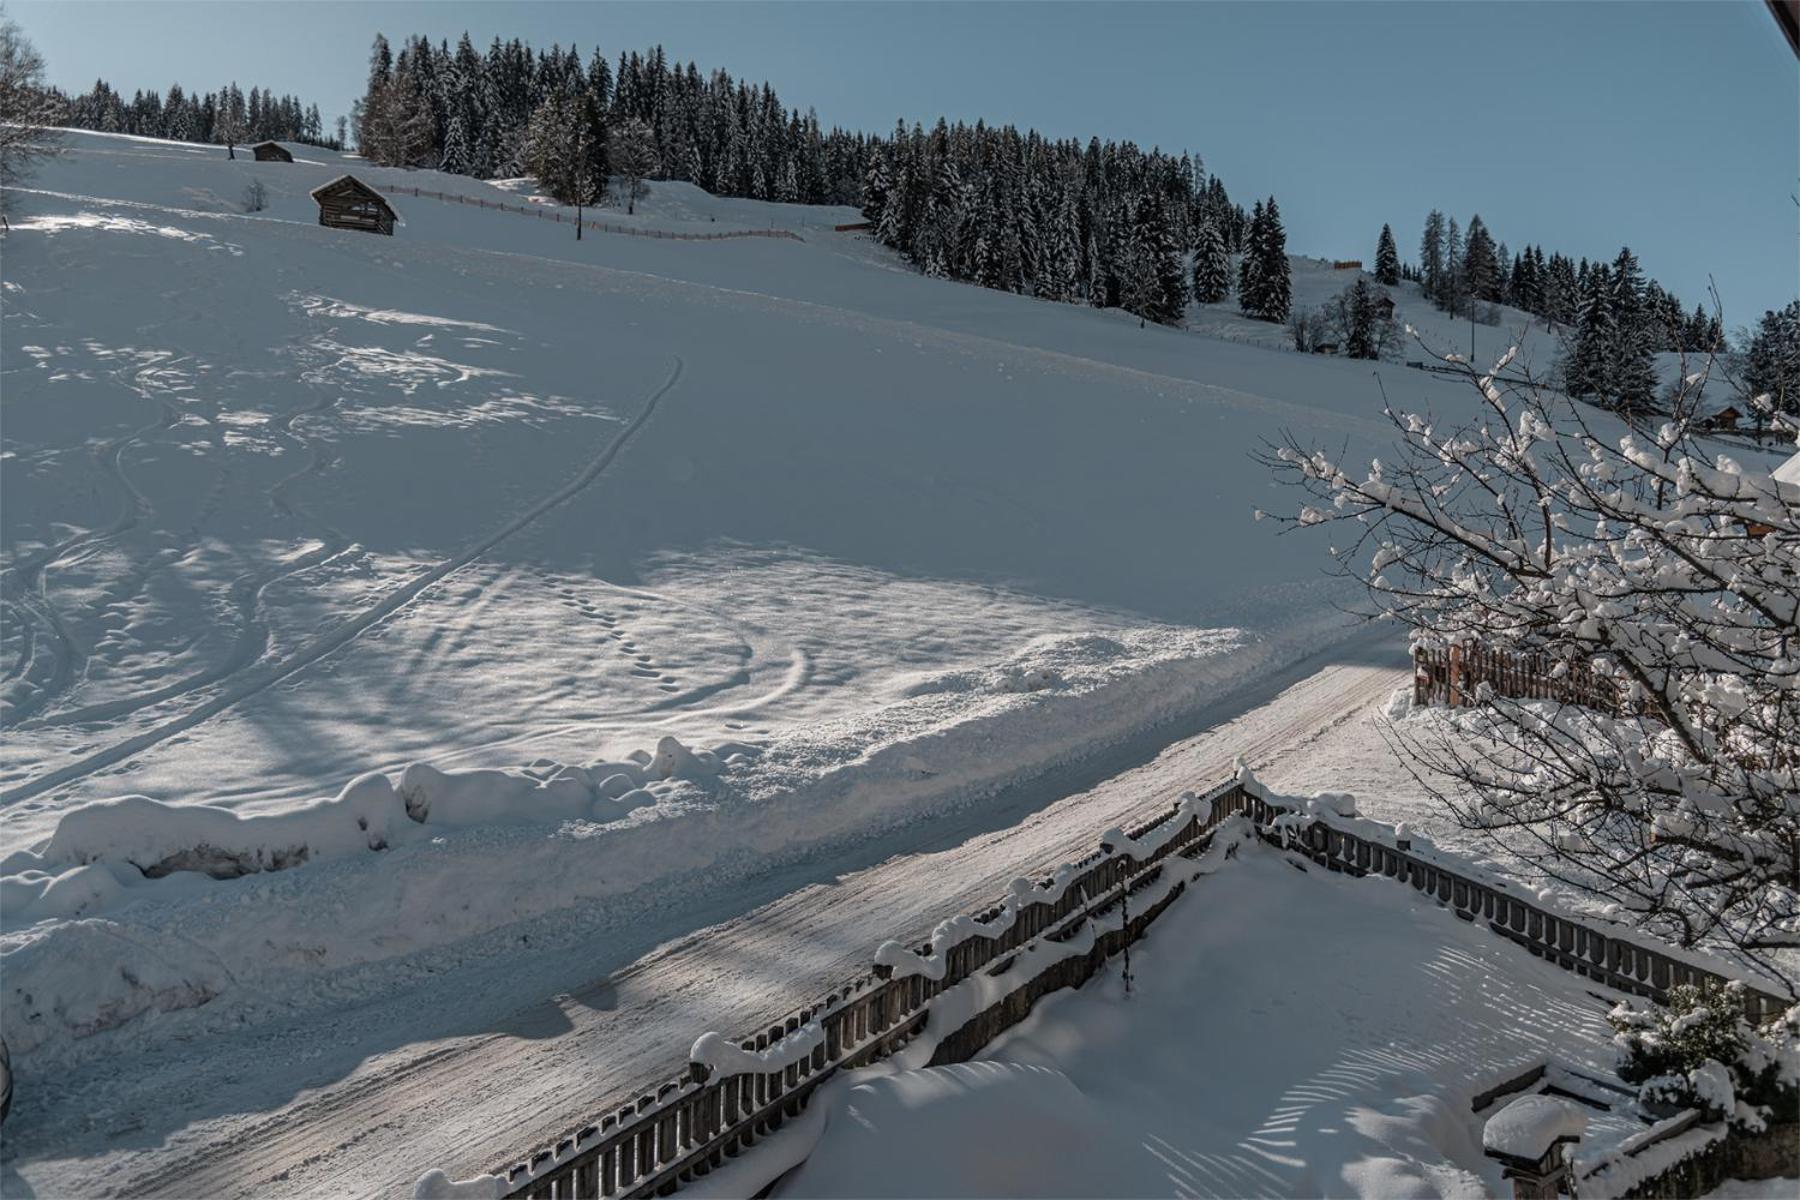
690	1125
545	213
1452	675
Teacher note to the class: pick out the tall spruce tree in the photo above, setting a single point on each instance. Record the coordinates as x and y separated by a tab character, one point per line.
1250	265
1587	372
1212	266
1635	338
1431	256
1276	298
1387	258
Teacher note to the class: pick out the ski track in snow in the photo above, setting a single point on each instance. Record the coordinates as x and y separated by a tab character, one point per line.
24	583
245	595
349	630
471	1102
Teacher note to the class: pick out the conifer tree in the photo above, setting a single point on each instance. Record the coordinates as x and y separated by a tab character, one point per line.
1276	298
1250	264
1480	276
1632	368
1387	258
1587	373
1431	256
1772	359
1212	266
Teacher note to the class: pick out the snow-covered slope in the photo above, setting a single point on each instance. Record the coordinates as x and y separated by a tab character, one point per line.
286	505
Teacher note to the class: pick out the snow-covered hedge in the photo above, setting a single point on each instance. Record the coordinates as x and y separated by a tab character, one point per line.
1699	1052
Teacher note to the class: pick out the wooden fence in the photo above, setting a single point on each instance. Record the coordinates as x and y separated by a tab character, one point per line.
694	1122
545	213
1453	674
1625	962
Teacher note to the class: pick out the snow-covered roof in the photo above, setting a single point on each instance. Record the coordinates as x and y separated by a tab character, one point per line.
1789	471
349	182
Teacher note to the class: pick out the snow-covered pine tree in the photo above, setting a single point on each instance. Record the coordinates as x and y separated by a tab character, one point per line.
1455	292
1587	372
1250	264
456	154
1480	274
1632	371
1387	258
1157	284
1431	256
1058	275
1212	266
1274	274
876	186
1563	292
1772	360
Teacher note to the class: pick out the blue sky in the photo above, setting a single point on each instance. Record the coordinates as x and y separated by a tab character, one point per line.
1671	127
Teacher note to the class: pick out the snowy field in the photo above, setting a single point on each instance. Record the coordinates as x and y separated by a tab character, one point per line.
437	584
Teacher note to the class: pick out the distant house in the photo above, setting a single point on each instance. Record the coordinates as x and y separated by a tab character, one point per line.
271	152
1726	418
1384	305
1347	264
349	203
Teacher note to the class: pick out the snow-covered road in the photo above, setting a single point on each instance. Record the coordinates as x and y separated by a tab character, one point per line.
278	1112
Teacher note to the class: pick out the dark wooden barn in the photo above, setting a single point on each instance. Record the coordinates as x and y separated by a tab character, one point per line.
271	152
349	203
1726	418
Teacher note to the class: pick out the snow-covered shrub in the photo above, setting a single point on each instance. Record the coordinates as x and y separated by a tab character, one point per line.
256	197
1700	1052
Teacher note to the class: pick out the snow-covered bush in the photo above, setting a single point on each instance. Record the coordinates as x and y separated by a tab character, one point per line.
1700	1052
1649	562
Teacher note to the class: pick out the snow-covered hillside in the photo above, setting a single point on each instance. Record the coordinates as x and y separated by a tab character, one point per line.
710	553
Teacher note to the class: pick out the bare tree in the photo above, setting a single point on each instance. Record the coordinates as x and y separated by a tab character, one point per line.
1647	558
29	110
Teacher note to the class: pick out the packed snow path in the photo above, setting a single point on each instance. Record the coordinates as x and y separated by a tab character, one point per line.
281	1114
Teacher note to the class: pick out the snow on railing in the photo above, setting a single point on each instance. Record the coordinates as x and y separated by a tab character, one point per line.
734	1094
543	213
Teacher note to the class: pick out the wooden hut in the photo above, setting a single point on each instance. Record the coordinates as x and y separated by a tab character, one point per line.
1726	418
349	203
271	152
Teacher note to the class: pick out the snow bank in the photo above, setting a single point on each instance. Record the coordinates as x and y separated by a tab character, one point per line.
101	854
